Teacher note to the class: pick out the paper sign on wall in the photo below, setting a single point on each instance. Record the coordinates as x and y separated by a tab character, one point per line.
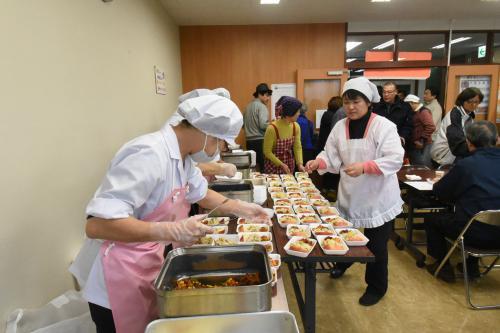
279	90
160	81
319	114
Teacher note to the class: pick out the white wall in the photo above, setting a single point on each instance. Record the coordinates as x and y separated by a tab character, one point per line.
76	82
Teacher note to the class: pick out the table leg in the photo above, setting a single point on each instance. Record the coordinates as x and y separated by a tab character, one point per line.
296	288
409	223
309	315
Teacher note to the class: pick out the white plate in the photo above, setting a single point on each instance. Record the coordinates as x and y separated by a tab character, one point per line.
219	229
238	177
314	196
251	226
274	183
332	252
232	238
220	221
283	202
320	203
353	243
289	210
290	183
252	237
326	211
299	174
327	218
208	237
300	226
247	221
329	227
303	209
302	215
301	201
275	189
274	274
298	253
283	225
279	195
275	256
309	189
295	195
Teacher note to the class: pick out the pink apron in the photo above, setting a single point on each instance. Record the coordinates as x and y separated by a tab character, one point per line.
130	269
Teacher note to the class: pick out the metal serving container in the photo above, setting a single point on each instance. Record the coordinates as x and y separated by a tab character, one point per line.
269	322
214	263
242	191
242	159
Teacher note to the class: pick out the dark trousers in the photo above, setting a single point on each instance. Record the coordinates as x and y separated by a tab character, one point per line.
376	274
307	155
479	235
102	318
256	145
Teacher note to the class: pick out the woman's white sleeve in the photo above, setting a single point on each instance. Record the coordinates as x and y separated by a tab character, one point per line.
389	152
127	185
330	153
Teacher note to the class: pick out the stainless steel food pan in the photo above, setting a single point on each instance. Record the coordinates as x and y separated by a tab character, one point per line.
268	322
214	261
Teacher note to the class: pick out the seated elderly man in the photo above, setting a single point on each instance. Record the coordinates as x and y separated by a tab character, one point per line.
472	185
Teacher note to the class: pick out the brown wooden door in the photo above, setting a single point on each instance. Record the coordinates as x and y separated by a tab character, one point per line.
481	76
316	87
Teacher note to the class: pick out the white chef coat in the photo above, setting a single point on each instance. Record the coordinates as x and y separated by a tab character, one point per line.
141	176
368	200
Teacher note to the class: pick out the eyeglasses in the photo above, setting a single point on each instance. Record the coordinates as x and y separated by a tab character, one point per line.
472	101
386	92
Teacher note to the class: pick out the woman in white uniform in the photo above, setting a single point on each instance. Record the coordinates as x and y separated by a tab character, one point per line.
143	204
366	151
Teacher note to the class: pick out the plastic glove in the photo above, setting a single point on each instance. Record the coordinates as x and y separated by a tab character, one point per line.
227	169
186	231
250	211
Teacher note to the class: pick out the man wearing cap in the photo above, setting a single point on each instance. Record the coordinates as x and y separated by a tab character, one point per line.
256	120
142	204
421	138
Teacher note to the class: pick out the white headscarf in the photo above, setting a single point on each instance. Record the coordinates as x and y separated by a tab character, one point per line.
213	115
364	86
176	118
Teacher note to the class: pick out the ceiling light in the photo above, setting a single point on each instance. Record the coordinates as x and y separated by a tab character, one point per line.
350	59
350	45
269	2
386	44
454	41
381	0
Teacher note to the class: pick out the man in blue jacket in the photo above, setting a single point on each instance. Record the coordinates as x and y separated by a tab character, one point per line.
473	185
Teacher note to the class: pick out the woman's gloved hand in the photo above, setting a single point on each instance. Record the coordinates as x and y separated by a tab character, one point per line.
186	231
250	211
227	169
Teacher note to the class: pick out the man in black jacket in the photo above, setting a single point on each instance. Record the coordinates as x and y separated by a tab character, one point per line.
473	185
397	111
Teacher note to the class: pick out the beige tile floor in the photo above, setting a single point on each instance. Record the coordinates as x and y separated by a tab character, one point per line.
415	302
